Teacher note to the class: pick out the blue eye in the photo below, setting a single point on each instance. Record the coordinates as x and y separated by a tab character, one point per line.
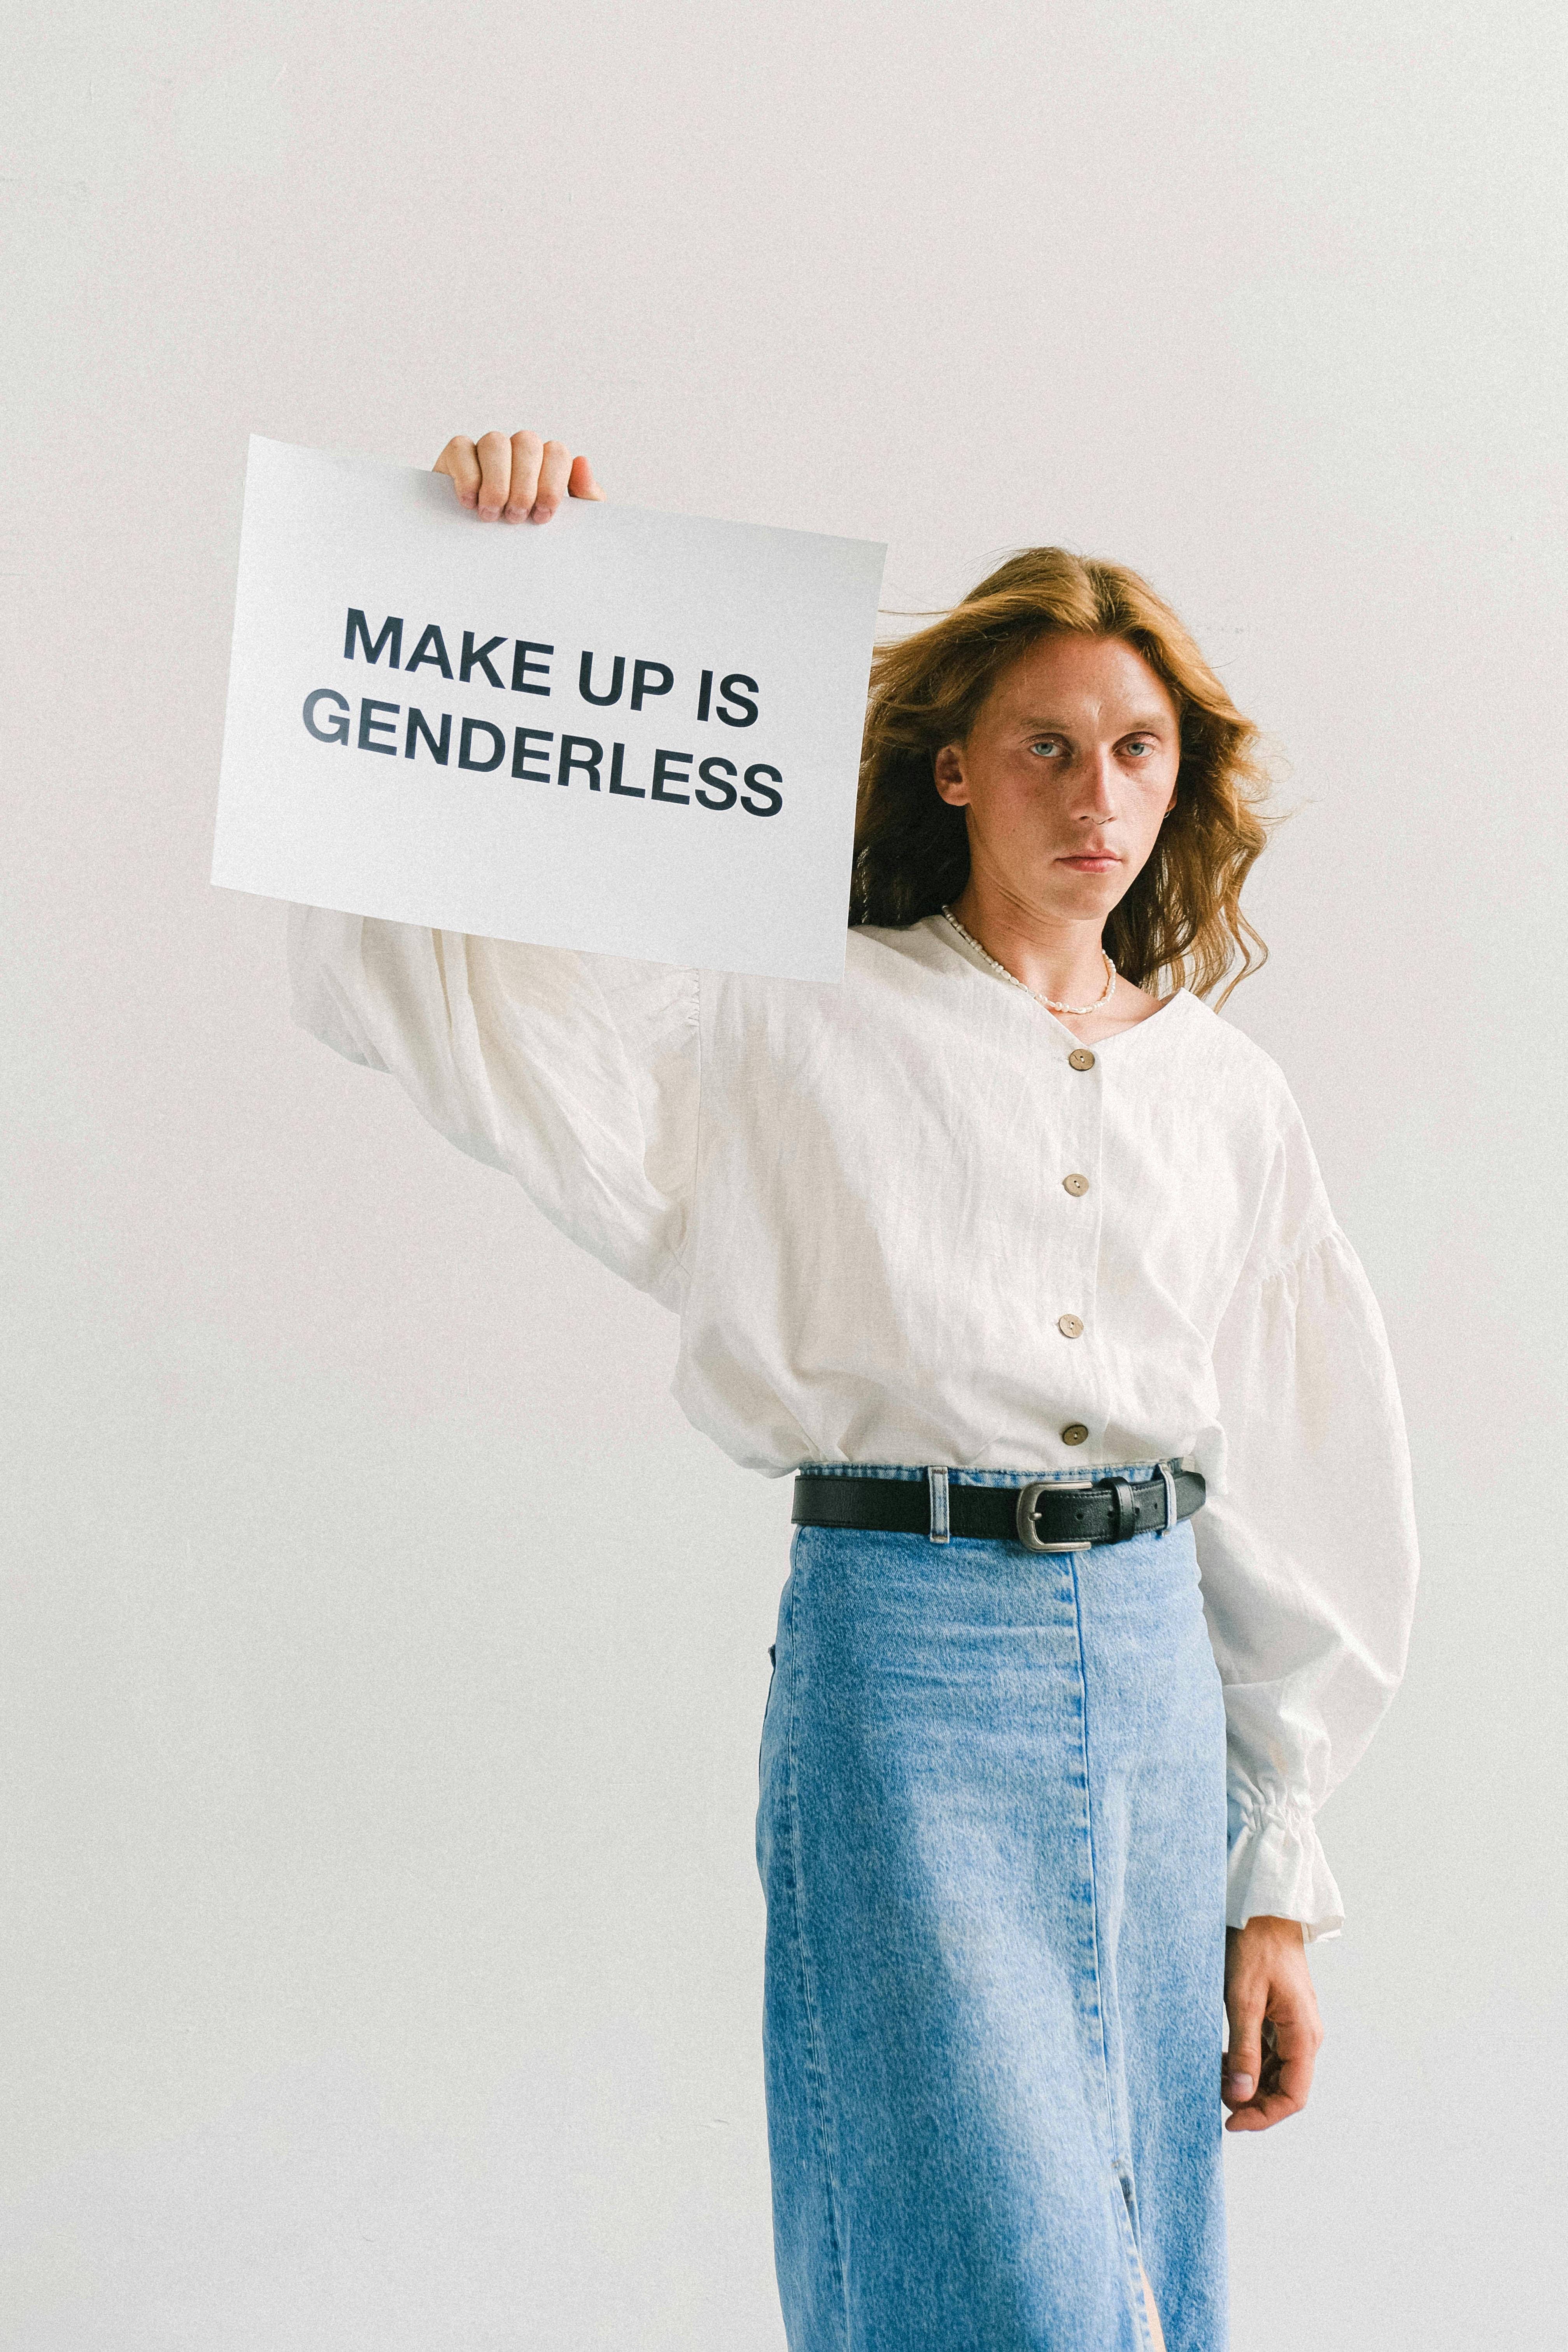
1046	743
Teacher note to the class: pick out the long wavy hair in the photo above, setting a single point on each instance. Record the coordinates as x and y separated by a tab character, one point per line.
1181	918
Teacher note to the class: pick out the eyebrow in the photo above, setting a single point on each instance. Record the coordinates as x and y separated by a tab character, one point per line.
1144	725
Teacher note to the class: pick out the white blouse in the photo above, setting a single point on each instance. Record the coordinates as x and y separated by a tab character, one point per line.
856	1198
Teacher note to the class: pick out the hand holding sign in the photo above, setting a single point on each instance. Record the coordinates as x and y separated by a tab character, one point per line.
516	477
561	737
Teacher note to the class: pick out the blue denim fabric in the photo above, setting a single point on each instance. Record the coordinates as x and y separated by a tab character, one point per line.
992	1833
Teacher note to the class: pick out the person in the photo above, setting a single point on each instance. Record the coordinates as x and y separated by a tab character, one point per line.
1016	1255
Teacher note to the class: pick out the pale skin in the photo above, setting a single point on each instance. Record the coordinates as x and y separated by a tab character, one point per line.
1068	770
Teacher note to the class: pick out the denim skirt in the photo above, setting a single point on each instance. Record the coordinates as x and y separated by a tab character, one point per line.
992	1836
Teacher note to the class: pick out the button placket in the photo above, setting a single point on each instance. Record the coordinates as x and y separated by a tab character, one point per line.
1078	1272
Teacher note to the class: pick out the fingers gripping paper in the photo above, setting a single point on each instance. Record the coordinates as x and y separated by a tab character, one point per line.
619	730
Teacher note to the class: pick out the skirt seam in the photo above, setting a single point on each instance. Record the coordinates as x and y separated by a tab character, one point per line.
1120	2203
816	2056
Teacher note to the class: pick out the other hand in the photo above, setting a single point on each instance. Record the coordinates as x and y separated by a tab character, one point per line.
1275	2029
515	476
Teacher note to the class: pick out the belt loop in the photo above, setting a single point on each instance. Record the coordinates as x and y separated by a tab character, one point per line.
1170	1497
936	1478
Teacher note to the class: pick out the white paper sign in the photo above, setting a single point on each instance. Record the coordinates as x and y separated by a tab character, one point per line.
620	731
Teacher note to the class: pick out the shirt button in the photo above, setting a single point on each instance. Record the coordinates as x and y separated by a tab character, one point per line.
1083	1060
1069	1326
1074	1433
1076	1185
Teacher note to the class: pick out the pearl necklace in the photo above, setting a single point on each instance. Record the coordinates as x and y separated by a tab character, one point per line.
1050	1002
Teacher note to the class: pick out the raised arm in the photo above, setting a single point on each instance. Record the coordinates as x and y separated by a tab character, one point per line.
577	1075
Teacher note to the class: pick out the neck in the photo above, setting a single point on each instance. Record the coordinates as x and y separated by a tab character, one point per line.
1054	955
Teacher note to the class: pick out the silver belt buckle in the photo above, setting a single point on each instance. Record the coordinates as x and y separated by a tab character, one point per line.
1024	1514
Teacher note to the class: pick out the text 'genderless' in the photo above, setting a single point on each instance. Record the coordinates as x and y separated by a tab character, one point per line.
539	755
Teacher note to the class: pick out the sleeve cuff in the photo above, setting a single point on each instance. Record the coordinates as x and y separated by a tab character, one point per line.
1277	1866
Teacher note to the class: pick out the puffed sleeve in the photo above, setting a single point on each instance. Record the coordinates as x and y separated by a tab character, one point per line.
1307	1543
577	1075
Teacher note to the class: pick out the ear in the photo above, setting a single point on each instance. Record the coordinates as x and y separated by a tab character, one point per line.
947	769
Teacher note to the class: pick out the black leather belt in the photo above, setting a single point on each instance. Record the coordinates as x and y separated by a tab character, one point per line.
1043	1516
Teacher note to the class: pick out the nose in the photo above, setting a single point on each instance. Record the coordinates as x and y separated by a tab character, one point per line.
1100	797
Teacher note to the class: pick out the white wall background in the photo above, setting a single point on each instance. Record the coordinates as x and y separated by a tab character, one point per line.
384	1656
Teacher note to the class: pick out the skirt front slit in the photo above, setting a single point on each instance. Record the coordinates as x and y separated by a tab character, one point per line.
992	1836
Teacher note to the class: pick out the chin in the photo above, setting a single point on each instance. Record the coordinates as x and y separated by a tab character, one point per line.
1089	894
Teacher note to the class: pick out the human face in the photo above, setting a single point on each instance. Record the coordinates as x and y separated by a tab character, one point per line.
1067	772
